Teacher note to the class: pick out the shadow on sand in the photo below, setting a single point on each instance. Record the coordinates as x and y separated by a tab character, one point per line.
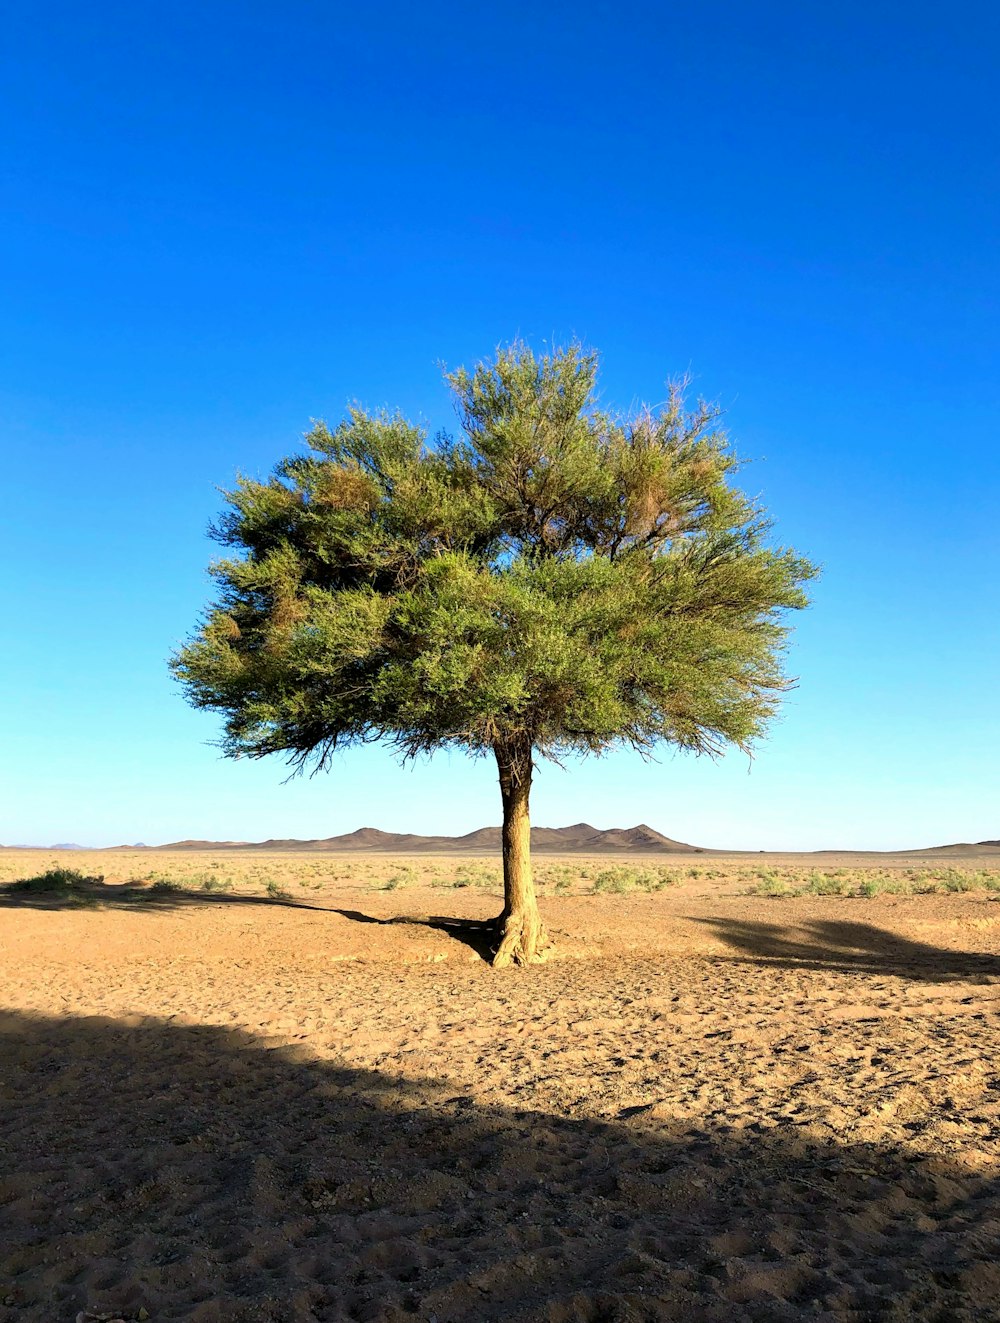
849	947
479	935
823	944
135	897
201	1175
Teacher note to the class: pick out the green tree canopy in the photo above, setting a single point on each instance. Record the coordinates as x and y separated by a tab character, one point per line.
556	579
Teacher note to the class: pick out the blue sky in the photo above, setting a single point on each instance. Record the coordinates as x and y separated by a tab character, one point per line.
222	220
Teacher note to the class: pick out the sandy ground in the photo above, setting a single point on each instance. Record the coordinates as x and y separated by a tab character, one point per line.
703	1106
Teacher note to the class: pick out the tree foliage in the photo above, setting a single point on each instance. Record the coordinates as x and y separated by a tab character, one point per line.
555	577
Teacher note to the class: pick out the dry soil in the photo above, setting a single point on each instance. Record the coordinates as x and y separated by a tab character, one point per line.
703	1106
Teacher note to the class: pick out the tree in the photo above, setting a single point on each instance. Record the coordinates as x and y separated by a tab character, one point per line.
555	581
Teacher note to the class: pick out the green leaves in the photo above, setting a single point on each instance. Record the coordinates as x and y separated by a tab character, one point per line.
554	573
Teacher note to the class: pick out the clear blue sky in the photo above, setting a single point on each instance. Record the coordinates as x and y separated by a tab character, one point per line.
221	220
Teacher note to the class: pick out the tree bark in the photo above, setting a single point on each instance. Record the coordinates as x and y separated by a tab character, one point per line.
522	936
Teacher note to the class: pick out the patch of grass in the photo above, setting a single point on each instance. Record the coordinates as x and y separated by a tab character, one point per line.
160	885
827	884
623	878
56	880
774	886
277	892
487	876
869	883
562	878
208	882
403	877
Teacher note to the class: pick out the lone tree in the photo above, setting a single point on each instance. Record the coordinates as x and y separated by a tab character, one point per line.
557	580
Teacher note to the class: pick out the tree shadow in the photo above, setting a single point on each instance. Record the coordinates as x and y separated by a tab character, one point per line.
202	1175
138	897
849	947
480	935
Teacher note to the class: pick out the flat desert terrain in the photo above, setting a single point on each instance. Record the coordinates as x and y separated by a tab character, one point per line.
250	1087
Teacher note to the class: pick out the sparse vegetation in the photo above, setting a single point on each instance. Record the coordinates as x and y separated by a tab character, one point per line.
56	880
872	882
162	885
625	878
472	874
209	882
402	877
281	875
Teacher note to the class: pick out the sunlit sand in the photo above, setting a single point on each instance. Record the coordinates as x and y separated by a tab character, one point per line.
298	1092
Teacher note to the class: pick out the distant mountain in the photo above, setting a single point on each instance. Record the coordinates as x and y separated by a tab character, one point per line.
582	837
960	847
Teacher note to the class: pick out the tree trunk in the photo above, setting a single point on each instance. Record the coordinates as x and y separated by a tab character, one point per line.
521	933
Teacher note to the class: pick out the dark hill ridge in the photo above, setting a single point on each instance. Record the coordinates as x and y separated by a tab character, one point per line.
582	836
960	847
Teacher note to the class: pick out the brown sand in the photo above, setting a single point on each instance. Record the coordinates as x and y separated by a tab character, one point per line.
704	1106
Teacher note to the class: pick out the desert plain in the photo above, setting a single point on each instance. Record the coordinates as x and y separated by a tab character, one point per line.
251	1085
